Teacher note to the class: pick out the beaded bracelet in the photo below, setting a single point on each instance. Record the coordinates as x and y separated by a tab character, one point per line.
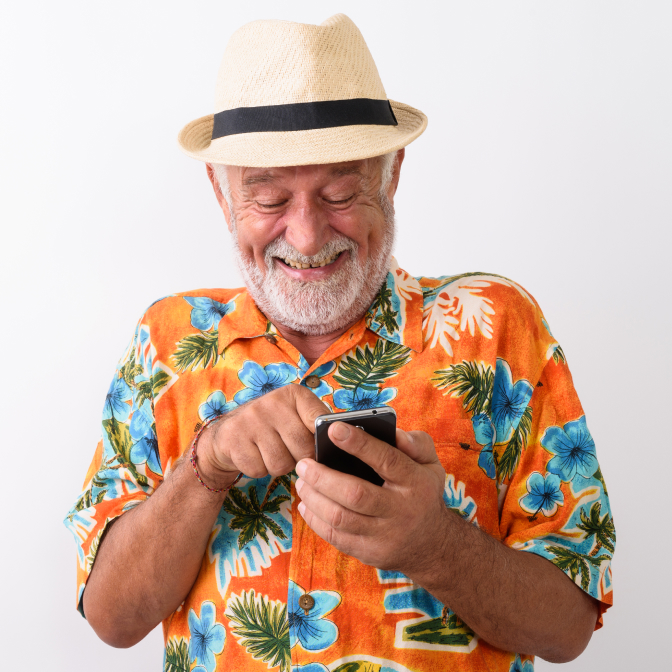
192	459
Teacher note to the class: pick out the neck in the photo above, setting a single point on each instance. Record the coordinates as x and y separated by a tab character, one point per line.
311	347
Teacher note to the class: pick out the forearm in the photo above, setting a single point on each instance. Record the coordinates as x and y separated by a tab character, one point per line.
150	557
515	601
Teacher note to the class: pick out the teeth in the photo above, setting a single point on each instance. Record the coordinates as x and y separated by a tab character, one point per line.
299	264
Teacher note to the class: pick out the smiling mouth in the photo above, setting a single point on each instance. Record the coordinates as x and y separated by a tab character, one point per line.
292	263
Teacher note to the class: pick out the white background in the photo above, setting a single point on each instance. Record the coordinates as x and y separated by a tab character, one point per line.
547	159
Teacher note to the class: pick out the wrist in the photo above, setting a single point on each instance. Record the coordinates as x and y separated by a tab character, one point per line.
210	472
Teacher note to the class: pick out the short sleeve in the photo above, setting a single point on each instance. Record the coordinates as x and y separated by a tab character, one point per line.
556	504
126	467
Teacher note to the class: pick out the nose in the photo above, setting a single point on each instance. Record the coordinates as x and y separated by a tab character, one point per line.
307	226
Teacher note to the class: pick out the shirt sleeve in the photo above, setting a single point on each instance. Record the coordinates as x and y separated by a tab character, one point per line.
556	504
126	468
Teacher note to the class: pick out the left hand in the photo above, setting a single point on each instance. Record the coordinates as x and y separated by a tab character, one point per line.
396	526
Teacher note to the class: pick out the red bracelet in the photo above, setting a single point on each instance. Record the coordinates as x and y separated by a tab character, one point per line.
192	459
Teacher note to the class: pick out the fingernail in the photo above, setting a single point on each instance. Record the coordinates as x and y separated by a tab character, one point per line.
302	509
301	468
340	431
299	484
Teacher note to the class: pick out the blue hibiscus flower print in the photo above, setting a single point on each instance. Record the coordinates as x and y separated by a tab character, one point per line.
259	381
519	665
360	399
115	401
544	495
146	446
207	313
214	406
311	667
484	432
509	401
312	630
574	450
207	636
323	389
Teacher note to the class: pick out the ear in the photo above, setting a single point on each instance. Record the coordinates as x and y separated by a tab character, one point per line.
212	176
394	183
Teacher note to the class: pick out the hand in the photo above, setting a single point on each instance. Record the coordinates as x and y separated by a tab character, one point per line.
392	527
266	436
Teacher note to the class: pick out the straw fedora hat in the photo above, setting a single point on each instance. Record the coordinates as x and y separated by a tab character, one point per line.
291	94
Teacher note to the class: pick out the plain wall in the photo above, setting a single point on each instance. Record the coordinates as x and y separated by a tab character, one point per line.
547	159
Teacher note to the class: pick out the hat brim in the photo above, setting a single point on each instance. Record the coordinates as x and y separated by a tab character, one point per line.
301	148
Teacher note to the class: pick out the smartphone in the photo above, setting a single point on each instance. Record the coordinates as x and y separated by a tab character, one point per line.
379	422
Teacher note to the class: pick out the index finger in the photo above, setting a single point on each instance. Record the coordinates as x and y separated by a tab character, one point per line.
308	406
389	462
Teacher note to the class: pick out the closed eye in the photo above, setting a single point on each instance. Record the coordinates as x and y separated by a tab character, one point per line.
343	201
270	206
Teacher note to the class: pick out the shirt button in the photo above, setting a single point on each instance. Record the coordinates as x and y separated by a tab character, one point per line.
312	382
306	602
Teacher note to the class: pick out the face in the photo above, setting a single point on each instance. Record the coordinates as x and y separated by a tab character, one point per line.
313	242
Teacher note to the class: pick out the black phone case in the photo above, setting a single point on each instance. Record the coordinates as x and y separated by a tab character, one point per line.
382	426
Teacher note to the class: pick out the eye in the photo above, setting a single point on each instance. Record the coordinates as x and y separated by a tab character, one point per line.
341	201
272	205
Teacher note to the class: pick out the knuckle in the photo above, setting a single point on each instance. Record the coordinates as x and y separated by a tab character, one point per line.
337	518
391	460
355	496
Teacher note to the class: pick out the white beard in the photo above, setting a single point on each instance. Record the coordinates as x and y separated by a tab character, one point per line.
317	307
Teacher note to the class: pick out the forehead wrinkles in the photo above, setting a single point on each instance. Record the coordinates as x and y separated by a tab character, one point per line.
321	178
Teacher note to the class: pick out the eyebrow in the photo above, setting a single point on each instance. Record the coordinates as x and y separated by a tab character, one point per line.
264	178
339	172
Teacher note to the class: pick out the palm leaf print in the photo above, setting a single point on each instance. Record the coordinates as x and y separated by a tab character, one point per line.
262	627
195	349
120	439
250	516
602	528
508	462
575	564
368	368
387	316
559	355
359	666
470	380
130	370
149	389
177	655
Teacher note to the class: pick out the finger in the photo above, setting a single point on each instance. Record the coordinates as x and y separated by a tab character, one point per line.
344	542
308	406
264	452
332	513
298	439
350	492
419	446
393	465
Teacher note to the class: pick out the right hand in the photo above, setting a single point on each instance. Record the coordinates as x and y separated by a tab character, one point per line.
266	436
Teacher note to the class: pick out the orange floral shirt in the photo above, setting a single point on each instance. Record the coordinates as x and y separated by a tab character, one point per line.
468	359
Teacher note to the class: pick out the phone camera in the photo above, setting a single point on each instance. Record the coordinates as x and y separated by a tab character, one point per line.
374	412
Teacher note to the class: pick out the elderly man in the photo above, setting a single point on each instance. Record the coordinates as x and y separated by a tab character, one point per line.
489	541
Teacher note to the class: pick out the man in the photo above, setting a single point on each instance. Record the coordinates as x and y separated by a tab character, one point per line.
491	538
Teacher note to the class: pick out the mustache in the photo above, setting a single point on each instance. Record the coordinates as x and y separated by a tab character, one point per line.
281	248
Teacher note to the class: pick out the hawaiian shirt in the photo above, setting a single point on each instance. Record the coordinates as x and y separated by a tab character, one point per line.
469	359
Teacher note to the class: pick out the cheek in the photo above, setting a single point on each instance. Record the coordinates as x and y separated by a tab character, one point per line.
254	235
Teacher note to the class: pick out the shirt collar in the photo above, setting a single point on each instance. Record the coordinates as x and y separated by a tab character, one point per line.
395	314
